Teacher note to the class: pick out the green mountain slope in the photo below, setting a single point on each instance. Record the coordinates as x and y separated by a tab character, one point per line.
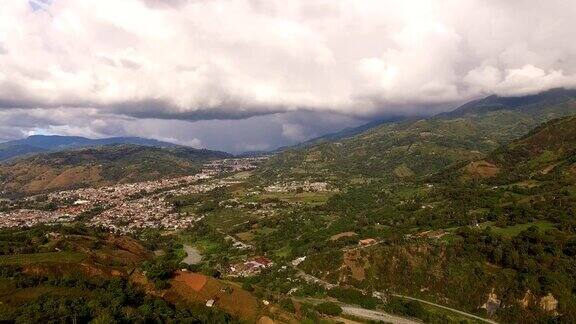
501	228
407	149
548	149
548	152
100	166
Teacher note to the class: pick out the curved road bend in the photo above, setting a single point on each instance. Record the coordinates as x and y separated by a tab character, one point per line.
327	285
447	308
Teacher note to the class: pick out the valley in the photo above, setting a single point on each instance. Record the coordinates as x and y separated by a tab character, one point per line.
287	162
455	218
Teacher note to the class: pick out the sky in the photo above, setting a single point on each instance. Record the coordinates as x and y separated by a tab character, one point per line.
243	75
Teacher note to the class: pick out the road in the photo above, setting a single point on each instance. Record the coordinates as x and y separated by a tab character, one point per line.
367	314
311	279
327	285
193	256
447	308
376	315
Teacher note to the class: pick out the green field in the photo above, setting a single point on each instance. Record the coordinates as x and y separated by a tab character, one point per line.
283	252
512	231
60	257
314	198
227	218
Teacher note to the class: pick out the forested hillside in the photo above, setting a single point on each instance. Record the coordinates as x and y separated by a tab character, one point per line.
404	150
507	236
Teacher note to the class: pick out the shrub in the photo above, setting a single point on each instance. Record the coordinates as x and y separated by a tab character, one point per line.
329	308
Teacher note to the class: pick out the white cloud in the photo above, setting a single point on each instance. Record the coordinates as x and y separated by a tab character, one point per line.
235	58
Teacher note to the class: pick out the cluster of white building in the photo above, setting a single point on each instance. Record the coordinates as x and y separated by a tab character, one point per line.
235	165
127	207
153	211
30	217
121	192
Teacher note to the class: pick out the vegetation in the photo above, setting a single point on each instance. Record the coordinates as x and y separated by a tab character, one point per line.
403	150
39	286
329	308
82	300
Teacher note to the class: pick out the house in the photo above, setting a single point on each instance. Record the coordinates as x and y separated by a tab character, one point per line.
263	262
210	302
366	242
250	267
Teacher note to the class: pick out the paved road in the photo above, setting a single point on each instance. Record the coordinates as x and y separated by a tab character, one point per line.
367	314
376	315
193	256
327	285
447	308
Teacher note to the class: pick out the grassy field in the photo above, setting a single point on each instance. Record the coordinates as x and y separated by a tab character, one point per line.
512	231
227	218
60	257
283	252
206	246
314	198
452	316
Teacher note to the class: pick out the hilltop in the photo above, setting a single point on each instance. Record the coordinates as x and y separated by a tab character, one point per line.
494	236
548	149
98	166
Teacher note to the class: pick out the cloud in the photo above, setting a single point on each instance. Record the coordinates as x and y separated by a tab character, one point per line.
213	72
264	132
223	59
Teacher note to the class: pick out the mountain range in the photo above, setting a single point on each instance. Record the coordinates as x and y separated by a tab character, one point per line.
394	149
470	210
45	143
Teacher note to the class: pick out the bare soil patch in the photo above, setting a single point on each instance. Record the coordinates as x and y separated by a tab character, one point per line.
196	288
356	263
482	169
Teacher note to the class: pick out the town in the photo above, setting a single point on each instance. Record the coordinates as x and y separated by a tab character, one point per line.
127	207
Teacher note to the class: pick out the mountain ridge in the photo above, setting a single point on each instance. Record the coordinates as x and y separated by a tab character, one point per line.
46	143
99	166
405	149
